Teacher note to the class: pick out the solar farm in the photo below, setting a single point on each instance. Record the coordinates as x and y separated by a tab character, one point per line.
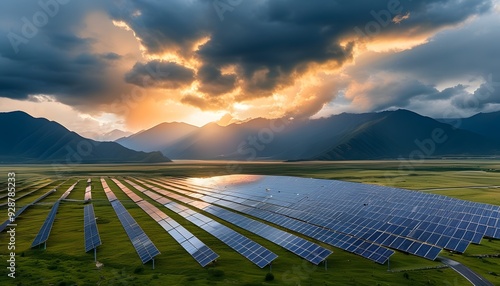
167	228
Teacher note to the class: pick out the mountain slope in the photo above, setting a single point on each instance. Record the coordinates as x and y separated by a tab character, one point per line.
37	140
486	124
402	133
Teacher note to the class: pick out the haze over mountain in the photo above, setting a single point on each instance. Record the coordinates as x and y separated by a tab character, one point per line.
26	139
158	137
112	135
383	135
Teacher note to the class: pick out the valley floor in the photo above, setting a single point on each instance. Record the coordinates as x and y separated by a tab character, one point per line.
64	262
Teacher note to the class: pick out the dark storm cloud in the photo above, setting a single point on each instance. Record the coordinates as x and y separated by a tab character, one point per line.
465	55
213	82
469	50
271	43
160	74
165	24
41	52
487	94
268	44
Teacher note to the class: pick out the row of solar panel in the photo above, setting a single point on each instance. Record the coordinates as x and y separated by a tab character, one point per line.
380	254
4	225
109	194
43	234
68	191
200	252
91	234
141	242
196	248
251	250
309	251
88	193
20	196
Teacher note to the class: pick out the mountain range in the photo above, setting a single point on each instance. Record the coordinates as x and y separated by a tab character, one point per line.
367	136
26	139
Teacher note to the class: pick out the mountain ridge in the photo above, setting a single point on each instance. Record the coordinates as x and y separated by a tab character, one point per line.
346	136
39	140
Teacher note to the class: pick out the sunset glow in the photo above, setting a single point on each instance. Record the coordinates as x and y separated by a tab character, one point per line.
144	64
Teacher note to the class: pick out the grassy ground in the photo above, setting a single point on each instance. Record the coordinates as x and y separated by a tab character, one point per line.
64	262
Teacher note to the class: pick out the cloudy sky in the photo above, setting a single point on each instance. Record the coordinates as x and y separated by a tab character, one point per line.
99	65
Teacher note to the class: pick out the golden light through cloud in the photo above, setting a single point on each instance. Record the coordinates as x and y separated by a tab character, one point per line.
256	64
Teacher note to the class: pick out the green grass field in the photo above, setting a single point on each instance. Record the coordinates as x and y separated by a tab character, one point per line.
64	262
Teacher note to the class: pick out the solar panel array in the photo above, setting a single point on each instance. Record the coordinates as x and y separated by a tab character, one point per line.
349	243
356	242
92	238
26	185
20	196
414	222
141	242
251	250
308	250
21	210
195	247
43	234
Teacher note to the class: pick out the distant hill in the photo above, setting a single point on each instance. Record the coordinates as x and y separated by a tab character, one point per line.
393	134
37	140
486	124
109	136
383	135
158	137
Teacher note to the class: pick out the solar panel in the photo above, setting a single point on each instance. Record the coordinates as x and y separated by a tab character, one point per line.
420	219
92	238
141	242
316	232
251	250
109	194
26	194
66	194
22	209
88	193
43	234
195	247
307	250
